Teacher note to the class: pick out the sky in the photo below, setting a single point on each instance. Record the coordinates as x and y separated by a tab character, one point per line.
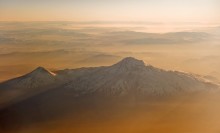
207	11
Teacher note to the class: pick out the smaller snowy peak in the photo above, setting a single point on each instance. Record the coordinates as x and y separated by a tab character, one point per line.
41	71
37	78
129	63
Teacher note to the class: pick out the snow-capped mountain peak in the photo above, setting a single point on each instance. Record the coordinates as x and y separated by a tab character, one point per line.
37	78
41	71
128	77
129	63
32	83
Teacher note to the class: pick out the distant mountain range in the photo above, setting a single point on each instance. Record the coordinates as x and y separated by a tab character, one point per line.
129	77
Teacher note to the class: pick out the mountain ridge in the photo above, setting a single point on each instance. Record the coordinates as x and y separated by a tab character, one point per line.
127	77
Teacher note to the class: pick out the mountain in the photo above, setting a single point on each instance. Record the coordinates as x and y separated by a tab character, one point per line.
38	77
128	77
131	76
45	97
25	86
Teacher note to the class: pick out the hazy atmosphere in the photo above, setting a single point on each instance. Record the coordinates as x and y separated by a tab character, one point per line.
172	34
103	66
60	45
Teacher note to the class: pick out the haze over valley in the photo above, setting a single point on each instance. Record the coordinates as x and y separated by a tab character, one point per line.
109	66
60	45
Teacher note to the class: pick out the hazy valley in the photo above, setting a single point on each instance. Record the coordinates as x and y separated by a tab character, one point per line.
109	66
105	77
60	45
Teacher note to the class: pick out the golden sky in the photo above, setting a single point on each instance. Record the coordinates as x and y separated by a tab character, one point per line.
111	10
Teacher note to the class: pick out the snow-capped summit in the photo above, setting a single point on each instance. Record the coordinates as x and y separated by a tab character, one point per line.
37	78
41	71
129	63
27	85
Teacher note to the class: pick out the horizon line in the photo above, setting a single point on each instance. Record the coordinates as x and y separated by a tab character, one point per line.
116	22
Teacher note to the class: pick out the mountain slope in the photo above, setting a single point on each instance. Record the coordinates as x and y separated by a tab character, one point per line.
26	85
42	96
128	77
